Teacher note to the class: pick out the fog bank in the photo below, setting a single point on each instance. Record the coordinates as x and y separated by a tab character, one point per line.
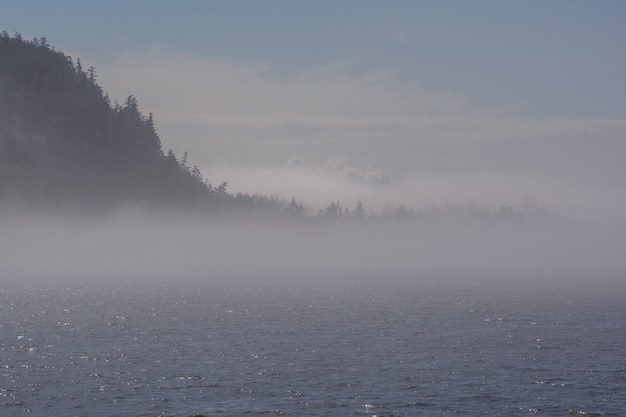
337	179
132	245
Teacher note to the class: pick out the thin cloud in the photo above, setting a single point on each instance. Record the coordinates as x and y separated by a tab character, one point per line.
212	92
197	101
316	184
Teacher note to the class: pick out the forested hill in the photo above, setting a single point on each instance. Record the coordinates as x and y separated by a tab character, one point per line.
64	143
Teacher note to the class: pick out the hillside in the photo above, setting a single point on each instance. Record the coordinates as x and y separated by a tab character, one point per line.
63	143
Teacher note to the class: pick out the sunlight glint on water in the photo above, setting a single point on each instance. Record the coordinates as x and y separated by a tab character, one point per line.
360	350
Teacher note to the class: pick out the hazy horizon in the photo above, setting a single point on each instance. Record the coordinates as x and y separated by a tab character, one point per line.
320	208
417	103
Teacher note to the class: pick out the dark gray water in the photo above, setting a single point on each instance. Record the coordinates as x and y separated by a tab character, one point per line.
349	350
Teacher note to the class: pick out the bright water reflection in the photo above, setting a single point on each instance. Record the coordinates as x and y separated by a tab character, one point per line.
350	350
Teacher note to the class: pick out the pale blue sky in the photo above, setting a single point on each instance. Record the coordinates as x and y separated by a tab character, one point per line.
527	88
553	58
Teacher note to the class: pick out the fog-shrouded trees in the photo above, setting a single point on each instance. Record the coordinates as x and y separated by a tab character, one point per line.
63	142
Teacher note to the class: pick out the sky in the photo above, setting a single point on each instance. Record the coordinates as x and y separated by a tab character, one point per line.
422	102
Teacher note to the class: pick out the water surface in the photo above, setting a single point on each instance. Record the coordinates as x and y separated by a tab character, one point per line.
307	350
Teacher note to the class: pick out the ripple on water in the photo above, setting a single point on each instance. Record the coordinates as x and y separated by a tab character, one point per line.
203	351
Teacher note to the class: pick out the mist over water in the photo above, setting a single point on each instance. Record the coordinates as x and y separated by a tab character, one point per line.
135	244
465	306
429	303
416	211
145	313
337	179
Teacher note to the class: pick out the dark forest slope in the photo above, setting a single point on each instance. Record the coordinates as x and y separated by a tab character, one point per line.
63	143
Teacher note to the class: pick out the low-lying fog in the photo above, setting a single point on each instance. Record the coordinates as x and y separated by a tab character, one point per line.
337	179
135	245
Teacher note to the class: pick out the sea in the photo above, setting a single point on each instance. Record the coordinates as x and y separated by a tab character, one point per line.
348	349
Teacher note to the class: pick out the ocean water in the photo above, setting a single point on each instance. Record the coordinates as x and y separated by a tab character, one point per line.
307	350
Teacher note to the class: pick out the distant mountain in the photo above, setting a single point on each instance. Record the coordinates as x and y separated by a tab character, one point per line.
64	144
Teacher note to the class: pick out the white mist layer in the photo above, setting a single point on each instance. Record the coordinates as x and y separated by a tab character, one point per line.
221	249
318	185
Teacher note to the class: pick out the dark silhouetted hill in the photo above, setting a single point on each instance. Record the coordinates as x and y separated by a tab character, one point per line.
64	144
